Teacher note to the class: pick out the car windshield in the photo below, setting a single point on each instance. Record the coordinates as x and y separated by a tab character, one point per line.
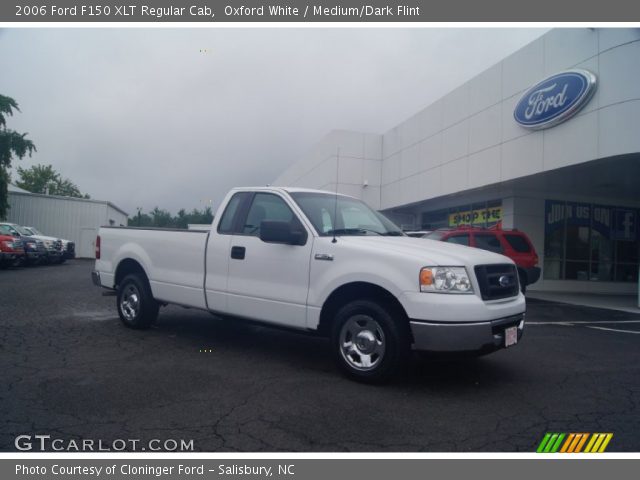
8	230
23	230
344	216
32	230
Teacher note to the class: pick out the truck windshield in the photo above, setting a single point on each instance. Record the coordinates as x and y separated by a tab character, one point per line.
23	231
346	217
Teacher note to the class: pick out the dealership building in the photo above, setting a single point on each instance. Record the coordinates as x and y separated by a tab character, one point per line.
547	141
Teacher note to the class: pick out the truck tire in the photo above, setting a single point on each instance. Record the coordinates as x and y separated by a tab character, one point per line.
369	345
136	306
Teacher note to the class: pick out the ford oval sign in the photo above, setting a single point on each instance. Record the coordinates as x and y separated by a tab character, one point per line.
555	99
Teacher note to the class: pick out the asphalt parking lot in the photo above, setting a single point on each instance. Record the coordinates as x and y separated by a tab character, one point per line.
72	371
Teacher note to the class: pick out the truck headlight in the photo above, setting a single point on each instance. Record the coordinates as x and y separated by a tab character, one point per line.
445	280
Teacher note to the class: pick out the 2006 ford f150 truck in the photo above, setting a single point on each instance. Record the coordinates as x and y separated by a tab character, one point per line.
317	261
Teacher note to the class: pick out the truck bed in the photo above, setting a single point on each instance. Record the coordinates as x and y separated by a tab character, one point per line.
174	259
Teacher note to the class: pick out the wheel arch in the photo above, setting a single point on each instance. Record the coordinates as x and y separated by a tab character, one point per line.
128	266
357	291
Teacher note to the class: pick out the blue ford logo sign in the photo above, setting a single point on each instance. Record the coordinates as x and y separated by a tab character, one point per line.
555	99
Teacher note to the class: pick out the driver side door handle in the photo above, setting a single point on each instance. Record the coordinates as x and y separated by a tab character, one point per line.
238	253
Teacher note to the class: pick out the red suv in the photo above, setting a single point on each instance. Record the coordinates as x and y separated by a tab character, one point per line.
511	243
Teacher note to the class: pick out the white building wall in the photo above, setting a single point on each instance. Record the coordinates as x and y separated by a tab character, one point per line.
466	146
469	139
359	163
77	220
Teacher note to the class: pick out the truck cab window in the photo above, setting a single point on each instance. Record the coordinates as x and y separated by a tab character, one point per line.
266	206
8	230
229	215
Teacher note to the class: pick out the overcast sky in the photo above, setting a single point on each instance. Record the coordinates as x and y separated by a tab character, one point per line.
175	117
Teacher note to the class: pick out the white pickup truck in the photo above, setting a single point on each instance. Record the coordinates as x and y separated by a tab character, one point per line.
316	261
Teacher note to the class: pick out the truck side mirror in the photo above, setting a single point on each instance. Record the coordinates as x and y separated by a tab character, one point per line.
275	231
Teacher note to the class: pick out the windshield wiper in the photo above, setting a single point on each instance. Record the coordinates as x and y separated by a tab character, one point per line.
393	233
352	231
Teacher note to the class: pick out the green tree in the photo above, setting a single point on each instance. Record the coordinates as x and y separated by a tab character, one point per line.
12	144
182	219
162	218
44	179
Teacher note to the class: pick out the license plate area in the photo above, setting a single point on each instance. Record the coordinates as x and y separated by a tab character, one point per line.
510	336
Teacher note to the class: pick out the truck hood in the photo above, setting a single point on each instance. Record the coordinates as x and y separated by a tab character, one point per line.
46	238
428	252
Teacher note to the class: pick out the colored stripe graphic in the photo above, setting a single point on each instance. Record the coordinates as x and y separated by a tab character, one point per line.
554	442
581	443
569	441
599	442
556	446
590	444
550	443
543	443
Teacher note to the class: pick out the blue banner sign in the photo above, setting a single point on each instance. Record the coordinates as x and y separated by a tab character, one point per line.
616	223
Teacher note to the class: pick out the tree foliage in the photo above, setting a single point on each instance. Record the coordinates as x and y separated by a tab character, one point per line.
163	219
44	179
12	144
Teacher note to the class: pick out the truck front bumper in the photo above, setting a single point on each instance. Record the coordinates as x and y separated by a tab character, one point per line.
471	337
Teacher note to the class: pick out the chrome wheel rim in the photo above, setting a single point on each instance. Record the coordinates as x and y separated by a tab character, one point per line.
362	342
130	302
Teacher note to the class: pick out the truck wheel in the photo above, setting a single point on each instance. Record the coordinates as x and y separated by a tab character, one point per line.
136	306
369	345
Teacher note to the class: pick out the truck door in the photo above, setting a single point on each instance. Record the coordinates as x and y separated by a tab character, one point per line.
217	254
268	281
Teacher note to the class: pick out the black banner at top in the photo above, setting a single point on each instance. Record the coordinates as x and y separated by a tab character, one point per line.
318	11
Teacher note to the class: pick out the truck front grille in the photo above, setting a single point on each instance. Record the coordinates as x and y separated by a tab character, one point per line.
497	281
40	246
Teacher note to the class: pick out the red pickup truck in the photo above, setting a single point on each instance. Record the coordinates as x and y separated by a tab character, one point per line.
508	242
11	251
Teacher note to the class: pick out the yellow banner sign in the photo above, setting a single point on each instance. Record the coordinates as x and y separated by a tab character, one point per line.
476	217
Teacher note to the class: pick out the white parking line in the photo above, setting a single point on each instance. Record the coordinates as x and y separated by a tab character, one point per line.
579	322
615	330
590	324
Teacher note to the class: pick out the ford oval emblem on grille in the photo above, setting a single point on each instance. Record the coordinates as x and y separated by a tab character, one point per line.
504	281
555	99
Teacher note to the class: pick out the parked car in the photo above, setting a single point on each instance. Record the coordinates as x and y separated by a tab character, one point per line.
52	245
34	249
324	263
11	251
509	242
68	247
